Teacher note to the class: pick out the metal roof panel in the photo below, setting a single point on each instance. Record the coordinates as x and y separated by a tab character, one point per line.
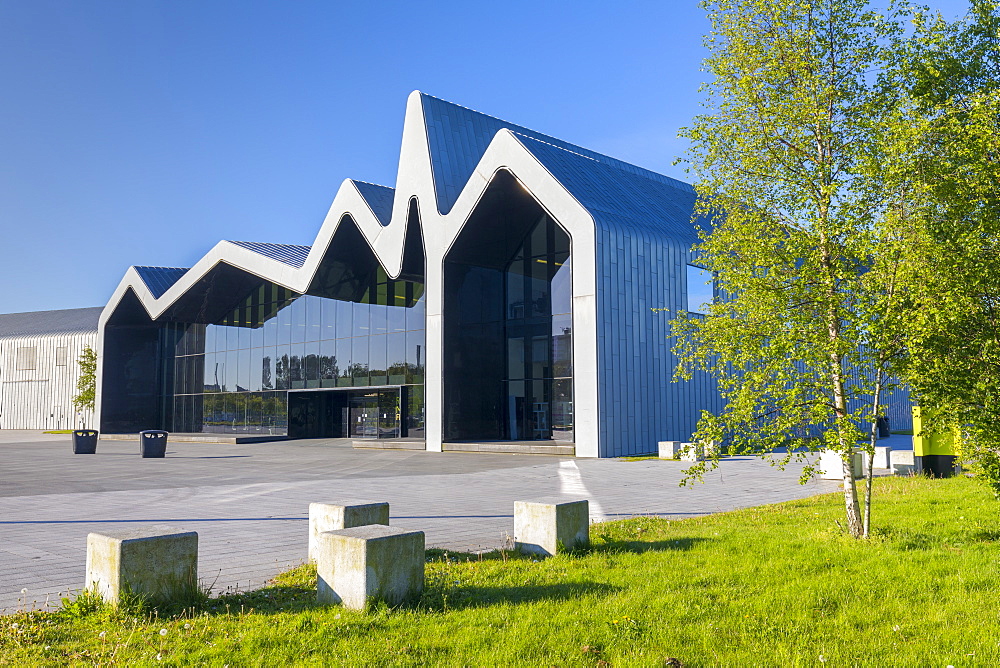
290	254
63	321
159	279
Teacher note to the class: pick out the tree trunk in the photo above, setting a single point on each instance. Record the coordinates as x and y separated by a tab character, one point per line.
876	407
854	522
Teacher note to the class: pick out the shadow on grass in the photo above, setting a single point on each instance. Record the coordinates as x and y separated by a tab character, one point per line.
641	546
295	590
445	595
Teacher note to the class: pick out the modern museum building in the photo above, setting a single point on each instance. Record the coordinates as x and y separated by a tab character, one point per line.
513	291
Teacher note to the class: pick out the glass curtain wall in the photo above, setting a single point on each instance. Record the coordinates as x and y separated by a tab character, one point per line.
233	376
508	326
539	333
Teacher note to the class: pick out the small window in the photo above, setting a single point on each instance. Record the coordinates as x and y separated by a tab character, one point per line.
26	359
700	291
62	356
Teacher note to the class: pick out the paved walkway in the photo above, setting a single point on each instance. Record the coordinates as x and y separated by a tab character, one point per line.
249	503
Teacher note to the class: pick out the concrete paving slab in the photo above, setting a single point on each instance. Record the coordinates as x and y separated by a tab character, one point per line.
249	502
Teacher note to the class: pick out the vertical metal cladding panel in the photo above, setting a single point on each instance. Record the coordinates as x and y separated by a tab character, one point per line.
896	403
42	398
639	403
642	219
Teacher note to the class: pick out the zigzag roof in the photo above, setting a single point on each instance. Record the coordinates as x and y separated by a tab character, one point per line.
445	146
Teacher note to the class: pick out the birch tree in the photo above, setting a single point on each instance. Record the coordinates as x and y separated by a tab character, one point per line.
809	231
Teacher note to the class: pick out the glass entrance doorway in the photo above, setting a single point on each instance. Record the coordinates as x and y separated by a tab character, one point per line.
374	413
362	415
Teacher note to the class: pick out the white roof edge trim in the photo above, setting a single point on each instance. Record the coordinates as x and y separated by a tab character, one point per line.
415	181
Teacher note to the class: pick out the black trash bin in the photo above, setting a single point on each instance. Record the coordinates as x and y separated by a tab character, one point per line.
883	427
153	443
84	442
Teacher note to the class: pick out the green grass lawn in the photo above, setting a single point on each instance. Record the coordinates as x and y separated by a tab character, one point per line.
776	585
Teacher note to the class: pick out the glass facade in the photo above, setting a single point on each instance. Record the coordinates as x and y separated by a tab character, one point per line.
259	368
508	329
538	328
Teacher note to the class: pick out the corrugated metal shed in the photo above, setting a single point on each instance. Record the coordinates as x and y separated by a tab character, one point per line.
39	370
50	322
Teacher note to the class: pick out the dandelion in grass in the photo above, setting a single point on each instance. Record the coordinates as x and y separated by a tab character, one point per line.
24	591
187	627
163	632
102	634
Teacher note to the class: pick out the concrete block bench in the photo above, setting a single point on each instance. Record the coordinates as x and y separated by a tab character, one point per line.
692	452
883	458
156	563
831	467
333	517
903	463
686	452
547	526
369	563
669	449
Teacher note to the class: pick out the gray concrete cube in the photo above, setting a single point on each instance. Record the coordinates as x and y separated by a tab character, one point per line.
547	526
902	462
669	449
158	563
333	517
692	452
831	466
883	458
369	563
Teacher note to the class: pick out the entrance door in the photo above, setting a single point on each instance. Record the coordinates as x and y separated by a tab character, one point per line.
344	413
364	416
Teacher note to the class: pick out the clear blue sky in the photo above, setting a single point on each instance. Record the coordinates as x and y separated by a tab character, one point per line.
143	132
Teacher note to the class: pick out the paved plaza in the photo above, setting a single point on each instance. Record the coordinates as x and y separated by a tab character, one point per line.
249	503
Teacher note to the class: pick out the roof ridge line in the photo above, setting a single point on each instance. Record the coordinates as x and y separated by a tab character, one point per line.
371	183
475	111
563	148
270	243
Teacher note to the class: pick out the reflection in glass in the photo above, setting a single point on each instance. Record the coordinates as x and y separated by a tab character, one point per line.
359	361
376	359
700	289
232	376
267	372
295	379
345	319
396	358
